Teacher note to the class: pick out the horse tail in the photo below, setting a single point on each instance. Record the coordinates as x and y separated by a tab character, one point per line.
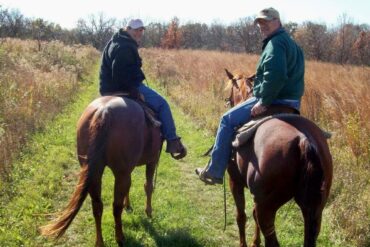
91	166
312	173
58	227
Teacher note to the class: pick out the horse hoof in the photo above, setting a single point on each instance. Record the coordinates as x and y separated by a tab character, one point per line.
99	244
129	209
120	243
148	213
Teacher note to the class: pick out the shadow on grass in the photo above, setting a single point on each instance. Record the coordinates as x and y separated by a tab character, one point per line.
180	237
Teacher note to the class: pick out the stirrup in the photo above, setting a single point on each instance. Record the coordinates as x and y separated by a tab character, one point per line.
180	155
206	178
176	148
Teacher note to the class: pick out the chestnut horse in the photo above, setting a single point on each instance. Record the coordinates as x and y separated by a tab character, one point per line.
288	157
113	132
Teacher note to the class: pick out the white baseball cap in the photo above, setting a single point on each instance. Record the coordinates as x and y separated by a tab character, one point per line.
135	24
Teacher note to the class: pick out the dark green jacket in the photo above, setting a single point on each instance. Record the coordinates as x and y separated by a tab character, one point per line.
121	64
280	70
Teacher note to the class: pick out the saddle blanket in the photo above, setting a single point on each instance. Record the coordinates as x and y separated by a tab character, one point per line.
244	133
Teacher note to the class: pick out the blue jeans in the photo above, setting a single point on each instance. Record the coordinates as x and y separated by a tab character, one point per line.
233	118
156	102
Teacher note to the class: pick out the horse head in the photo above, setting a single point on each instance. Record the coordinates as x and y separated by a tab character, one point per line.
240	86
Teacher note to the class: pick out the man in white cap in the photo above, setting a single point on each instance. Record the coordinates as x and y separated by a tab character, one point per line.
120	71
279	80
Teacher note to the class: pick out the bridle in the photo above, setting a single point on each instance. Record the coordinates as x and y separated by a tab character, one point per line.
229	102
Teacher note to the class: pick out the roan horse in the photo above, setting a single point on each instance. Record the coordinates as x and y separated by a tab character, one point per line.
288	157
113	132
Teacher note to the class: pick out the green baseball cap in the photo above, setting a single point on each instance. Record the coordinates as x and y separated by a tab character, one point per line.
267	14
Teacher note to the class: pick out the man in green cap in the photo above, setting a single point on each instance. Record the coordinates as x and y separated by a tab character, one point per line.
279	80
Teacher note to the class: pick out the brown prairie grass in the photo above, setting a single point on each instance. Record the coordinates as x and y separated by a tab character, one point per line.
34	87
336	97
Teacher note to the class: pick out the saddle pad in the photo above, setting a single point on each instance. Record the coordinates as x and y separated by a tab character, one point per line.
244	133
247	131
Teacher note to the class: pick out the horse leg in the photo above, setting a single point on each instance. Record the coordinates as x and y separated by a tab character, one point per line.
122	185
127	204
148	187
312	224
257	233
97	206
265	214
237	190
312	214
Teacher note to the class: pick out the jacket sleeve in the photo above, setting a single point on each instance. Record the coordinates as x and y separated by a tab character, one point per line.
126	68
274	72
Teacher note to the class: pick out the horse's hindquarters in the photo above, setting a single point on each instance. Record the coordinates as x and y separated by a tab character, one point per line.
113	131
274	160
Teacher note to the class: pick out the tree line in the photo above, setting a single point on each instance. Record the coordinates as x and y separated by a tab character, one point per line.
345	43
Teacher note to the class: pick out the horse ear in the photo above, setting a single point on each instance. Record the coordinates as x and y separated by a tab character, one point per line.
231	76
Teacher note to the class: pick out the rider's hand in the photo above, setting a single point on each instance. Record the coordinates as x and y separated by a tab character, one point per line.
134	93
257	109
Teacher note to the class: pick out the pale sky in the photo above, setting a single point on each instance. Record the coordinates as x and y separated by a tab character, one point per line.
67	12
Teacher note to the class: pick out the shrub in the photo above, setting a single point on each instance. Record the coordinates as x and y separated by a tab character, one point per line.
35	86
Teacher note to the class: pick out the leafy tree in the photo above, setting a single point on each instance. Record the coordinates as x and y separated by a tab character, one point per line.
361	49
173	36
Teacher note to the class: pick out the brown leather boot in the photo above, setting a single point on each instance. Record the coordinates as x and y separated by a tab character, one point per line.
176	148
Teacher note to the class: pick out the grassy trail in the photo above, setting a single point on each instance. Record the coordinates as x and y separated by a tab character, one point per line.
186	213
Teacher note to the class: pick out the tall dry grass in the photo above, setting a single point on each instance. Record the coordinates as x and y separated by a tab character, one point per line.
336	97
34	87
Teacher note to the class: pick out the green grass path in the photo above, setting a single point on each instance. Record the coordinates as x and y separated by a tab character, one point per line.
186	212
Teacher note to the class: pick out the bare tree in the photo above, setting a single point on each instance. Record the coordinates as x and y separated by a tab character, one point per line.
314	40
217	37
345	38
247	35
291	28
193	35
97	30
153	35
12	23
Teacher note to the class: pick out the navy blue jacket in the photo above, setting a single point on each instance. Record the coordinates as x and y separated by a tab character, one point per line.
121	64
